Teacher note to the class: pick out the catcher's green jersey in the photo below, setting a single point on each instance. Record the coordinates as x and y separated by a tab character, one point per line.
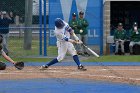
82	25
120	34
73	25
134	36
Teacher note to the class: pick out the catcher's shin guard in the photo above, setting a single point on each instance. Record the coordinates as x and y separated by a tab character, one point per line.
2	66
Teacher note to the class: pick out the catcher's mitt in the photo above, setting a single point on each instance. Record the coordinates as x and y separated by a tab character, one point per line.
2	66
19	65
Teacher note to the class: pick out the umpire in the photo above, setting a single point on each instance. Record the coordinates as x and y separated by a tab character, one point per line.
18	65
82	28
5	20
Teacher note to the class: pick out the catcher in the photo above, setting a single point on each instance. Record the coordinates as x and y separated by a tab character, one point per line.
18	65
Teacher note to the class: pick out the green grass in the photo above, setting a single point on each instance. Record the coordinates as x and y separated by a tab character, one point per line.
109	58
17	50
115	58
29	59
18	53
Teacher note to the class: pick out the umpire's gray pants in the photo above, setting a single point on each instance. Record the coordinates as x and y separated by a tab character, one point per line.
5	42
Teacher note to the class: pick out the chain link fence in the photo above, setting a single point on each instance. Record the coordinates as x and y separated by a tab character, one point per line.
24	32
18	44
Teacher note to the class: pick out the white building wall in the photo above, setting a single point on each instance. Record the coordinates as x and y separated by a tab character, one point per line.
36	7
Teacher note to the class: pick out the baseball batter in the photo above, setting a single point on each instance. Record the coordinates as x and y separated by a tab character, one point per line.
64	44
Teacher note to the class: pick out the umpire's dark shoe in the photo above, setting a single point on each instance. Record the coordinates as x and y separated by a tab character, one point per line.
81	68
44	67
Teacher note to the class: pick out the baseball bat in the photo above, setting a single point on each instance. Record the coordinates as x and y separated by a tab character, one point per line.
94	53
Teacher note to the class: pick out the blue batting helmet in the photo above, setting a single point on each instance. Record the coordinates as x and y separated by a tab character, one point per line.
59	23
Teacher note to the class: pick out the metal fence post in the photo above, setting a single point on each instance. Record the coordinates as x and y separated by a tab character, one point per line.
45	41
40	25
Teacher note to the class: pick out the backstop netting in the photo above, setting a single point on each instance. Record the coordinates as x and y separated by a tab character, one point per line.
32	32
24	36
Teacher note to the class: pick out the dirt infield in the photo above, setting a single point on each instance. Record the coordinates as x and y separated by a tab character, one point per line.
123	74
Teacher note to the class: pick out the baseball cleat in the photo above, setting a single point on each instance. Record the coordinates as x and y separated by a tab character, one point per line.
81	68
44	67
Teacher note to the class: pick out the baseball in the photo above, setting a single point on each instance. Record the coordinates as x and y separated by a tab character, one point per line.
81	31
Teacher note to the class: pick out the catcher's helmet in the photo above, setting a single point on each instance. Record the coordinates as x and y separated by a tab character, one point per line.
59	23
